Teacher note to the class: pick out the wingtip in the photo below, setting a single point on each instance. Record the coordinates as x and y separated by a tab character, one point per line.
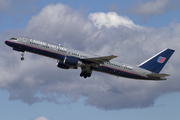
114	55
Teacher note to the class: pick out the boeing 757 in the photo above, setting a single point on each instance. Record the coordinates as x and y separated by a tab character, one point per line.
72	59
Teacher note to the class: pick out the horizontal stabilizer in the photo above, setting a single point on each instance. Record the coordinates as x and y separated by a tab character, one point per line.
158	75
100	59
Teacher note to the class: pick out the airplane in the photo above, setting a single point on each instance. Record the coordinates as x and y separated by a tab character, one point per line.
72	59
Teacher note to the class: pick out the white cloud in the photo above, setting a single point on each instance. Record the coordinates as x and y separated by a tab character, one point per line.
152	8
38	79
41	118
60	24
110	19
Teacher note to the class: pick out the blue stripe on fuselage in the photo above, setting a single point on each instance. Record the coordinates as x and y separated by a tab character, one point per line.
39	51
118	72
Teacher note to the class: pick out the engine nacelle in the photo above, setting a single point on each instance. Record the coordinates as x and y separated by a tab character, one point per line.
60	64
72	61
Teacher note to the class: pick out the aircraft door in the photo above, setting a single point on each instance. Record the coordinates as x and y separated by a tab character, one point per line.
24	40
55	49
138	71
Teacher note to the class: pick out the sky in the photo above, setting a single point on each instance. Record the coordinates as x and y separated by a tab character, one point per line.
35	89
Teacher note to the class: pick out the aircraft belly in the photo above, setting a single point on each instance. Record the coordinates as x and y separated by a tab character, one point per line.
119	73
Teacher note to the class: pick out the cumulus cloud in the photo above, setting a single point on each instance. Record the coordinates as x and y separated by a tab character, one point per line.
110	19
41	118
156	7
60	24
38	79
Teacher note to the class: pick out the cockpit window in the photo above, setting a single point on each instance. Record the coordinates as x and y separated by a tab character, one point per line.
13	39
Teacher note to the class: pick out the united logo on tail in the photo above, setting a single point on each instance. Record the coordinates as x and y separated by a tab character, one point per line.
157	62
161	59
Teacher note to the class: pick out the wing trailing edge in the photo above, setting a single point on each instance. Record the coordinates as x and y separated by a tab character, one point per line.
100	60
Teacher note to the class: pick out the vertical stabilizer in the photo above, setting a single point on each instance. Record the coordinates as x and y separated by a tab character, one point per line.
157	62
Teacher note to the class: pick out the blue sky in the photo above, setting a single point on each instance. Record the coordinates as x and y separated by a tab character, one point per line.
36	89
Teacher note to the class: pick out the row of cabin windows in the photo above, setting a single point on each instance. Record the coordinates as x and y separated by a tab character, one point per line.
112	64
77	55
34	43
74	54
128	68
38	44
118	66
62	51
45	46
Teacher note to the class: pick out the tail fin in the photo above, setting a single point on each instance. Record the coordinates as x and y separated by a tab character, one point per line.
157	62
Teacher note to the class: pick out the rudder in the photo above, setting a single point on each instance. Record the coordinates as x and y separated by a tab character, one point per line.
157	62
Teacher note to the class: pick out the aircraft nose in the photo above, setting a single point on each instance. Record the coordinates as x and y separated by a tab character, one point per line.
7	42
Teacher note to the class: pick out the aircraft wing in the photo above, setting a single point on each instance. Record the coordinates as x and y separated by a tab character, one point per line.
158	75
100	60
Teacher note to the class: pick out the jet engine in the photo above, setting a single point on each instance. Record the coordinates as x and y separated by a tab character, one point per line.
60	64
72	61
